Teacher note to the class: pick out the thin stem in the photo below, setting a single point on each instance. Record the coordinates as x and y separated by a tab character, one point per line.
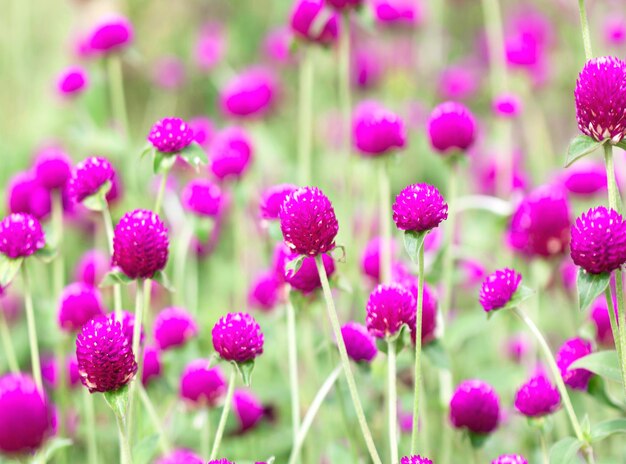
32	329
544	447
345	361
225	411
147	309
615	331
125	453
449	232
344	84
292	349
117	288
116	89
495	39
160	193
154	417
312	412
418	349
182	253
205	450
584	24
385	221
305	118
392	401
621	326
7	343
615	199
139	306
90	427
57	225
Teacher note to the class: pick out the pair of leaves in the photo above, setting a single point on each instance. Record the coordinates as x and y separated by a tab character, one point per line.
590	287
98	201
193	154
117	277
584	145
565	450
413	242
245	370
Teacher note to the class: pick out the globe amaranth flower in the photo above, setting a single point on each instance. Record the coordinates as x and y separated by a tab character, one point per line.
111	35
585	178
249	94
419	208
79	303
614	30
92	267
376	130
370	259
89	176
415	459
266	291
451	126
203	198
174	327
26	415
304	18
170	135
273	198
510	459
308	222
498	288
49	370
537	397
540	225
72	81
306	279
220	461
390	13
570	351
237	337
429	315
458	81
203	130
507	105
475	406
599	316
105	357
388	308
25	194
71	366
127	321
140	244
202	385
598	241
151	367
21	236
53	168
230	153
248	409
360	344
180	456
600	97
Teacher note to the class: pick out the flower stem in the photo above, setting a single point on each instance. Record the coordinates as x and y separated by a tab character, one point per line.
117	288
57	224
292	348
305	117
344	84
116	89
32	329
312	412
385	221
160	194
418	348
392	401
615	331
125	453
615	198
448	259
139	307
182	254
222	424
205	450
584	24
155	419
7	343
90	428
345	361
544	447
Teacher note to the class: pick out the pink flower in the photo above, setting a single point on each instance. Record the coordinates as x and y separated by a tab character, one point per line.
265	292
273	198
388	308
451	126
72	81
170	135
237	337
475	406
376	130
304	18
151	366
498	289
306	279
397	12
79	303
202	385
89	176
537	397
203	198
249	94
360	344
248	409
111	35
572	350
25	194
21	236
419	208
173	327
92	267
230	153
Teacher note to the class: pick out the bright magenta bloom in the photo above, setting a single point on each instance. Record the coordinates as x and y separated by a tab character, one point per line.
303	16
174	327
111	35
170	135
237	337
360	344
249	94
89	176
451	126
537	397
475	406
570	351
420	208
79	304
21	236
376	130
498	288
388	308
72	81
202	385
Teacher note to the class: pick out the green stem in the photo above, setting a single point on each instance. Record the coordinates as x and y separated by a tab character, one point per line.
182	253
312	412
57	225
544	447
615	198
154	417
205	449
448	258
418	349
139	307
344	84
160	193
90	428
385	221
392	403
292	349
305	118
615	332
7	343
125	453
117	288
495	39
32	329
584	24
225	411
147	309
116	89
345	361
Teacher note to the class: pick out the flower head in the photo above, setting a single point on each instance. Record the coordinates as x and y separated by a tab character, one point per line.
79	303
419	207
127	321
570	351
237	337
230	153
151	367
249	94
416	459
210	46
72	81
248	409
53	168
360	344
585	178
599	240
180	456
507	105
265	292
306	279
25	194
388	308
202	385
498	288
111	35
397	12
170	135
140	244
174	327
105	358
376	130
510	459
304	18
21	235
475	406
273	198
601	98
537	397
451	126
89	176
92	267
601	320
203	198
203	130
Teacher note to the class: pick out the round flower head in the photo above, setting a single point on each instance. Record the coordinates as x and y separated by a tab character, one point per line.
507	105
475	406
416	459
277	46
230	153
180	456
170	135
306	279
360	344
105	357
388	308
151	367
203	198
174	327
585	178
21	235
458	82
304	18
510	459
599	240
370	259
273	198
600	99
73	377
89	176
429	315
237	337
79	303
140	244
451	126
615	30
265	292
599	316
376	130
111	35
202	385
72	81
25	194
308	222
397	12
419	208
498	288
220	461
541	224
26	416
127	321
203	130
344	4
92	267
248	409
53	168
249	94
570	351
537	397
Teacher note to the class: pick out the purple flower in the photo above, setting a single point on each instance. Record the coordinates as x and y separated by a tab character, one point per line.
26	416
203	130
25	194
370	259
600	99
507	105
249	94
237	337
180	456
376	130
265	292
140	244
79	303
273	198
92	267
360	344
458	81
599	316
419	208
111	35
397	12
429	315
614	30
170	135
72	81
21	235
53	168
510	459
308	222
304	18
73	376
537	397
451	126
498	288
220	461
248	409
599	240
203	198
306	279
230	153
388	308
585	178
202	385
105	358
475	406
174	327
415	459
151	366
570	351
89	176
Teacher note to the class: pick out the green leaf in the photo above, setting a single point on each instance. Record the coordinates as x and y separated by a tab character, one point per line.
148	149
51	448
203	226
590	287
118	400
564	451
413	241
162	162
521	294
597	389
477	439
9	267
47	253
115	277
195	155
245	369
293	266
607	428
163	280
603	363
98	201
437	355
581	146
144	451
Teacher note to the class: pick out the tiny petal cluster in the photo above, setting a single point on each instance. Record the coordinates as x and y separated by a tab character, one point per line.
250	94
111	35
388	308
79	303
510	459
360	344
570	351
202	385
21	236
230	153
248	409
237	337
273	198
174	327
170	135
537	397
419	208
72	81
451	127
203	198
416	459
475	406
498	288
89	176
376	130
